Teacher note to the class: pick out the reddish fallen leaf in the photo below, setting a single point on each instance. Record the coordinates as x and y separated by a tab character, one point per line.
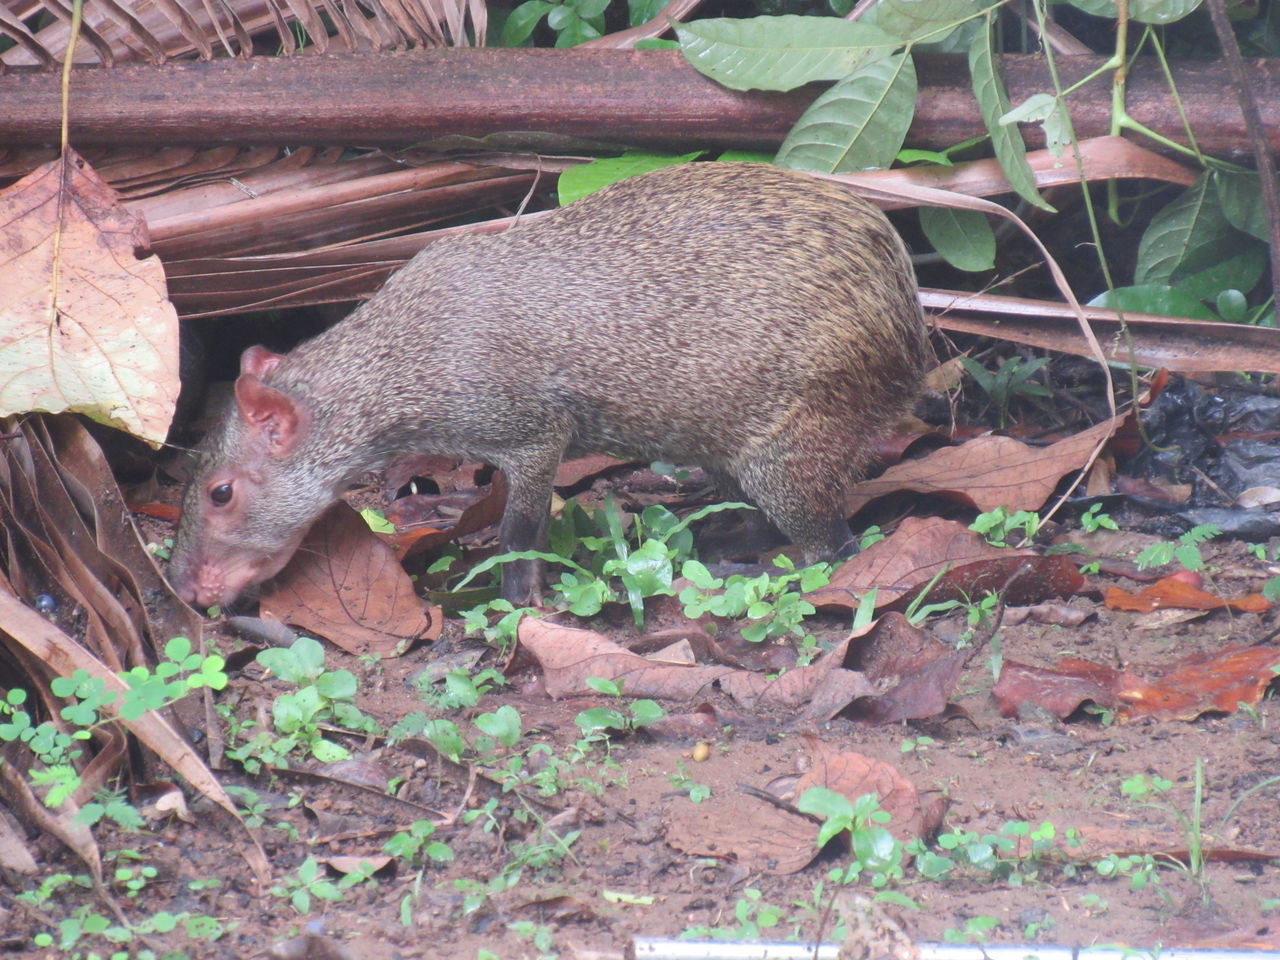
913	673
922	548
1061	692
573	472
770	838
1175	591
1162	492
481	508
346	585
987	472
169	512
1220	681
855	775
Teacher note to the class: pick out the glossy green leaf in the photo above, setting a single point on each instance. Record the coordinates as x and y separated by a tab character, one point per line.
1159	299
521	22
1240	196
575	30
781	53
994	104
932	20
1143	11
642	11
964	238
577	182
1243	262
1191	245
859	124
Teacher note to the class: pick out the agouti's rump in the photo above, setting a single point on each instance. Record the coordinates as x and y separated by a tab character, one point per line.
758	322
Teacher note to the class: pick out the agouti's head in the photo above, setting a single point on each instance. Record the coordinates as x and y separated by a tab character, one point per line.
250	500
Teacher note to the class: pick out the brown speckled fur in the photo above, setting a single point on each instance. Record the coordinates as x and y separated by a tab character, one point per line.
756	321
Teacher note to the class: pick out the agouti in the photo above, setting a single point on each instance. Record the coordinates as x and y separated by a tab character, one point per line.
757	322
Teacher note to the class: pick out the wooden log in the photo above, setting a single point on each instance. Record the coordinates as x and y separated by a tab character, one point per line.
647	98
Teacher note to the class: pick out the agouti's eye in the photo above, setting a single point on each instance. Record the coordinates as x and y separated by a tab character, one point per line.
221	494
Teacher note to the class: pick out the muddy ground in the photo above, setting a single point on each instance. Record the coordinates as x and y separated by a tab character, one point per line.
512	891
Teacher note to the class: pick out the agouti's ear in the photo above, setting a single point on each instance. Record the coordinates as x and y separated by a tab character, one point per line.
277	418
259	361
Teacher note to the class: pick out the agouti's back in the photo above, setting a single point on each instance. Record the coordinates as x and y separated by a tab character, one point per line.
759	322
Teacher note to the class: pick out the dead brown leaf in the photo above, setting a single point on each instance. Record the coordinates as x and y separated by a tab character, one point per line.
85	325
569	656
855	775
746	829
913	673
1176	592
346	585
986	472
1221	681
922	548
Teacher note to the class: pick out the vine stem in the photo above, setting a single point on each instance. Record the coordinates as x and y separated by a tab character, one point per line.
1257	135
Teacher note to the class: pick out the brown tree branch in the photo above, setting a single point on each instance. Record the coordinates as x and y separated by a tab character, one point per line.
649	98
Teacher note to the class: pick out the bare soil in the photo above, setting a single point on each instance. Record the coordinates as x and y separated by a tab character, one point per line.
623	880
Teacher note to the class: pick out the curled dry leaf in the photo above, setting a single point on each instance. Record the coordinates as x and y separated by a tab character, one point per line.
987	472
573	472
922	548
855	775
569	656
1175	591
346	585
1195	685
417	516
85	325
913	673
1059	614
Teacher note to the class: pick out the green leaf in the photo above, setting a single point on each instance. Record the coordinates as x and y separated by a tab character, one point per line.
1143	11
575	30
859	124
504	725
1050	112
326	751
577	182
909	155
443	735
642	11
522	21
377	521
1010	149
1190	244
1156	298
1239	270
964	238
1240	196
912	20
781	53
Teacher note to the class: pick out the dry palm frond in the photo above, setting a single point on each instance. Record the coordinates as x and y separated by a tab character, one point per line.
123	31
